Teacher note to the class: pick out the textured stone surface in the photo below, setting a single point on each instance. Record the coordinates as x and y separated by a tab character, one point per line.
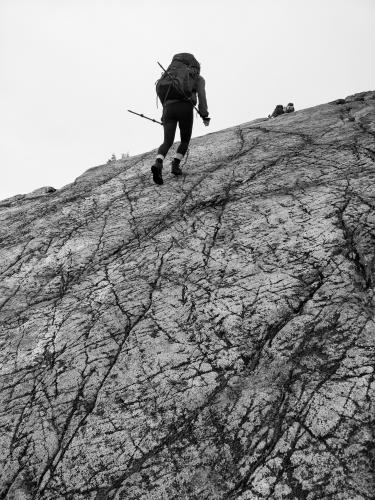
41	191
212	338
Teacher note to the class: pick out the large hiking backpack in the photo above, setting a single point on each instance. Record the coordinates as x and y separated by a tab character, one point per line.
180	79
279	110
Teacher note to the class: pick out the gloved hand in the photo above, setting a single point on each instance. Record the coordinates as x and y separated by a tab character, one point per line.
206	121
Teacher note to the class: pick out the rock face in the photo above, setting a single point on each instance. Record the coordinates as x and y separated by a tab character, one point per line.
211	338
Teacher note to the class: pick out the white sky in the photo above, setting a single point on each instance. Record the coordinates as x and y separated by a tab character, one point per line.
69	70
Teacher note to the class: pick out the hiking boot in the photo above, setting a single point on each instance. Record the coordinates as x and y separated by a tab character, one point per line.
175	167
156	170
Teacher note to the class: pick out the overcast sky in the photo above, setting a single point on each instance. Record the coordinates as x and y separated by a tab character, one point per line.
69	70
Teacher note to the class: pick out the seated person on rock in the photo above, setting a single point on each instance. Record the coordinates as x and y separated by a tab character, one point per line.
289	108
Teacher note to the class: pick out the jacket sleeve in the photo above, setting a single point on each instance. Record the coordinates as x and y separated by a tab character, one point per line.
202	97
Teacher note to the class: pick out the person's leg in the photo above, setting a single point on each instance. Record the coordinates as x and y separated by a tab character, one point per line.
185	123
169	126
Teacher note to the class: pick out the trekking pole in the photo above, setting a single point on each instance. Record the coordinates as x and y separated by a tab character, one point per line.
143	116
186	98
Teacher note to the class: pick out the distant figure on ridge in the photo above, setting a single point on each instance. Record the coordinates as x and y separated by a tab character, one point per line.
112	159
289	108
280	110
177	90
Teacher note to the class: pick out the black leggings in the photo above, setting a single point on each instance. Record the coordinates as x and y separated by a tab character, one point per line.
180	112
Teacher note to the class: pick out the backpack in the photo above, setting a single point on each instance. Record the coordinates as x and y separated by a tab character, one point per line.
279	110
179	81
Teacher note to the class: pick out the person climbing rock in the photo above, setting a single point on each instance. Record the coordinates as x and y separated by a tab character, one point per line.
177	90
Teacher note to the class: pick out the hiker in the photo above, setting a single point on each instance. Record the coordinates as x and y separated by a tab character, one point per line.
177	90
279	110
289	108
